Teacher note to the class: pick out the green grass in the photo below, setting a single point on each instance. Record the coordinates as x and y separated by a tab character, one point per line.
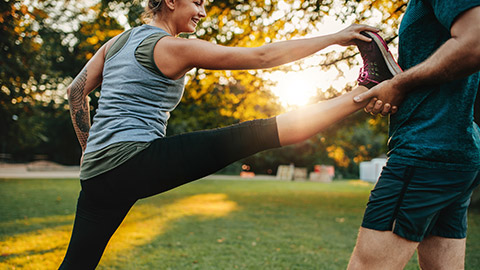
207	224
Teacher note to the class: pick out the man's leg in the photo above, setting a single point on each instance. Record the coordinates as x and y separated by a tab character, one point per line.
381	250
412	203
445	248
378	247
439	253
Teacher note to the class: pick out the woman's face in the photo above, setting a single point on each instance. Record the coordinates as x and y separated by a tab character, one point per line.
188	14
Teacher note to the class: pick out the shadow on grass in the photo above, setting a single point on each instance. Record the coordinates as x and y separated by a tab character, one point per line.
32	250
203	225
268	231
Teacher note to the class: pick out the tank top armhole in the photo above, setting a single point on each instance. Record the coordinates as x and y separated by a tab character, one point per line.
145	52
118	44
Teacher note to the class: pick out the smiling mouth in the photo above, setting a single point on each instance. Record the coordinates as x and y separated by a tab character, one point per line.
195	21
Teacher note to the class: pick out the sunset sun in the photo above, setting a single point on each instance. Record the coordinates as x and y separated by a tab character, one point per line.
295	88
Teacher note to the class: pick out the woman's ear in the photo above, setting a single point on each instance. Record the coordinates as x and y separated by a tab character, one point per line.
170	4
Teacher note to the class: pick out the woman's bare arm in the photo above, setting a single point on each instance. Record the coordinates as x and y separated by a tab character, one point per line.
85	82
176	56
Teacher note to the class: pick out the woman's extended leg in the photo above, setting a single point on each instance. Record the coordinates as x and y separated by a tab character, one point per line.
173	161
301	124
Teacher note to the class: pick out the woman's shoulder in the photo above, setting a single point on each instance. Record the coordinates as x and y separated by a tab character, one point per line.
116	43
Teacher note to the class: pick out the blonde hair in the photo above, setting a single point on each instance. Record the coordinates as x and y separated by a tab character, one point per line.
152	7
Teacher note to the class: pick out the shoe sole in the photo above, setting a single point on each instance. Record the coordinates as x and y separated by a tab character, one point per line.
387	55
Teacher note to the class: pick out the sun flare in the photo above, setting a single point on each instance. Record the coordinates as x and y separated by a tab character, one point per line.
295	89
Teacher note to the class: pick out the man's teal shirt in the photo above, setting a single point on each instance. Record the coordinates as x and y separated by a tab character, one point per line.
434	126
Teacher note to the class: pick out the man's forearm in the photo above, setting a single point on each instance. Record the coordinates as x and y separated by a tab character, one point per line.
455	59
450	62
79	108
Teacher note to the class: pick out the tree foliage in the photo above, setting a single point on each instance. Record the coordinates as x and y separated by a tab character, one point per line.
46	42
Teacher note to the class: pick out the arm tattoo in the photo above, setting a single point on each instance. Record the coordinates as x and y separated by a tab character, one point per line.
79	107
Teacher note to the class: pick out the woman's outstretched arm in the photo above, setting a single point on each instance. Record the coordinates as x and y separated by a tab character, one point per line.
176	56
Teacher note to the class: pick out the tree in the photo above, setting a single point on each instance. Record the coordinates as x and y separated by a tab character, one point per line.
47	42
27	70
43	51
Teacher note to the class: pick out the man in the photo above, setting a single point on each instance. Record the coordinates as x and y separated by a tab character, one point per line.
420	200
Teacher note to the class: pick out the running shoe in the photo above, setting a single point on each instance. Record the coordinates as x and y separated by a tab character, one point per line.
378	63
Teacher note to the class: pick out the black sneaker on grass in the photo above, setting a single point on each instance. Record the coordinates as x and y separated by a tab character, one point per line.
378	62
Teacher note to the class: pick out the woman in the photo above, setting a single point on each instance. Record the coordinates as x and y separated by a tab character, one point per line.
128	157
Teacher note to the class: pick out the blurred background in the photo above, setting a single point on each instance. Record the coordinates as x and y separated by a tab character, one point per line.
44	44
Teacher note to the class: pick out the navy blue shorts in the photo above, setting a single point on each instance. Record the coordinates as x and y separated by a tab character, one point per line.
416	202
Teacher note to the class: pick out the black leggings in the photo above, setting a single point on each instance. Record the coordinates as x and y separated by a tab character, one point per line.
167	163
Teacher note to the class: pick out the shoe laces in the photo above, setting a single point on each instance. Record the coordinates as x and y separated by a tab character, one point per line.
364	75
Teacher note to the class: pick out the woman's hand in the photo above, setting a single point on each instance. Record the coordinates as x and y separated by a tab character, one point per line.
347	36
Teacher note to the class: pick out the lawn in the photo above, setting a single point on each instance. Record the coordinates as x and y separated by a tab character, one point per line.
208	224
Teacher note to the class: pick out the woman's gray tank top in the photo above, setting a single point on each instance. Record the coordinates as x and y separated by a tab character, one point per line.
135	102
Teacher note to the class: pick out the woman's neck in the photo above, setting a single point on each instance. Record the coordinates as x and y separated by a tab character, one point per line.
160	22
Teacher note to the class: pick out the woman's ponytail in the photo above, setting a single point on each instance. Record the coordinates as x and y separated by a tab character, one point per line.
152	7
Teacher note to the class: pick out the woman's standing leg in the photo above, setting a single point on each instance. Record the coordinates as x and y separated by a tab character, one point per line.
98	216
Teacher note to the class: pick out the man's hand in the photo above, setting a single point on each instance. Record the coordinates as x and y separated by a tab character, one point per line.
384	98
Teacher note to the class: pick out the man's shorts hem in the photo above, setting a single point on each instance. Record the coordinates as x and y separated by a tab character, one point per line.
449	235
397	230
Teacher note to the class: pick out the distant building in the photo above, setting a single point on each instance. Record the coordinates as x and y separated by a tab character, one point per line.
292	173
322	173
370	170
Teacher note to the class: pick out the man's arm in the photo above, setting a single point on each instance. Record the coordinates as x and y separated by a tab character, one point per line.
456	58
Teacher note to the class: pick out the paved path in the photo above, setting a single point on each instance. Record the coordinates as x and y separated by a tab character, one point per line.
29	171
47	170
